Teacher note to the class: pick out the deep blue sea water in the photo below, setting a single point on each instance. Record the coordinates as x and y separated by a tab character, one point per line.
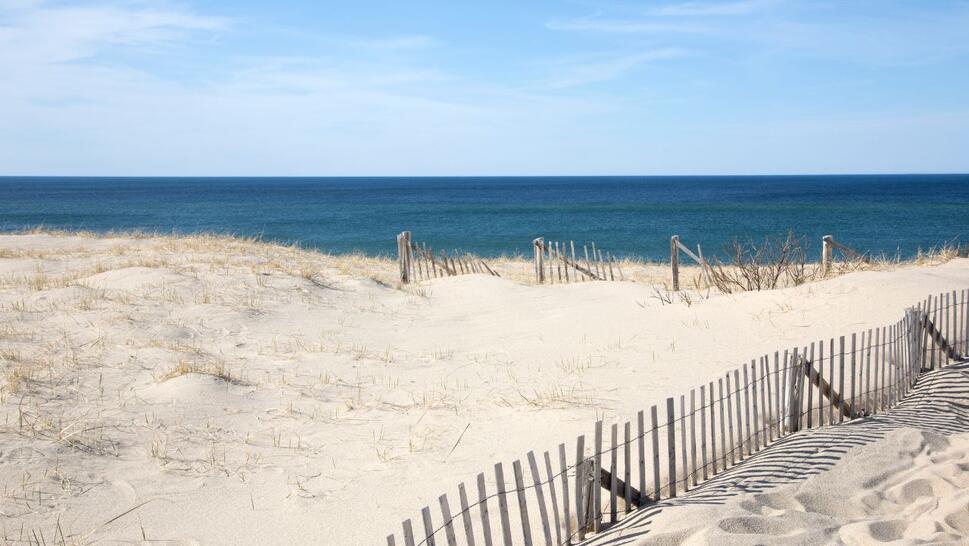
489	216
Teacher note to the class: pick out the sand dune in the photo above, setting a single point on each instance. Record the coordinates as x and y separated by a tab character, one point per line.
212	391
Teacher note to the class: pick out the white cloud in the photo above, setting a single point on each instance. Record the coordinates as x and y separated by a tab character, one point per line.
586	70
707	9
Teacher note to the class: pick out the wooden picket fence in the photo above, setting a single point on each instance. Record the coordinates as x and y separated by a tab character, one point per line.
701	434
556	261
418	262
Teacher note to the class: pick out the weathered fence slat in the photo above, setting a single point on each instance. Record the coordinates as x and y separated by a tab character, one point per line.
596	471
713	435
671	444
580	480
540	497
613	464
448	521
556	515
729	397
723	435
522	503
428	526
563	468
683	450
641	441
503	505
703	440
408	533
627	465
466	515
653	421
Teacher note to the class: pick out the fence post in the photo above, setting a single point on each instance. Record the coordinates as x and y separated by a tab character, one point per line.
675	261
827	251
538	246
404	256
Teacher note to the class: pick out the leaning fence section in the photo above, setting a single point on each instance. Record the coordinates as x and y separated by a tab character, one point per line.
562	496
558	262
417	261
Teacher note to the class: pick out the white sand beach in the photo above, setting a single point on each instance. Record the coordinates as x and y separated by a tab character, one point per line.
204	390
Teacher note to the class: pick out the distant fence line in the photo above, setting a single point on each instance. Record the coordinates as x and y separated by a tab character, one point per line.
715	427
418	262
558	261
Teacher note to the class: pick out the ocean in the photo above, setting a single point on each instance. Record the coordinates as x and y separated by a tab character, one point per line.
632	216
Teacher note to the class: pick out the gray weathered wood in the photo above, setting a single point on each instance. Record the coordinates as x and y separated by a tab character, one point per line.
641	444
448	521
810	390
466	515
820	369
769	416
580	480
522	503
503	506
723	436
841	372
408	533
729	398
566	501
428	526
596	470
683	450
540	497
671	443
740	415
654	423
866	352
713	433
613	483
391	541
753	411
627	465
694	471
675	261
556	515
854	372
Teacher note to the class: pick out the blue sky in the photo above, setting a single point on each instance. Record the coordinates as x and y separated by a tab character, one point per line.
483	88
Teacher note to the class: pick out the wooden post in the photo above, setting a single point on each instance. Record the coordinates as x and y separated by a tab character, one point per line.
826	254
404	256
675	261
539	246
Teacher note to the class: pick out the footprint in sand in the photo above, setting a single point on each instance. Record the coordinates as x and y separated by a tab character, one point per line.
754	525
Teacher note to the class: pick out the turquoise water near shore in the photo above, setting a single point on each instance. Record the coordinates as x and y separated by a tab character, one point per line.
632	216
